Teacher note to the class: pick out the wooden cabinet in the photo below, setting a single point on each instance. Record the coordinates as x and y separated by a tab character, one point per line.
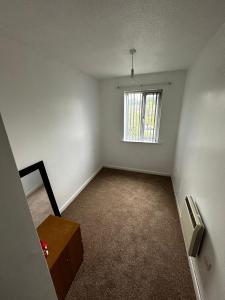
65	251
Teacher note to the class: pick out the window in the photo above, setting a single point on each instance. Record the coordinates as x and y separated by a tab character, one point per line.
142	116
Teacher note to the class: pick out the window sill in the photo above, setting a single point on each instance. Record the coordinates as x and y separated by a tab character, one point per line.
141	142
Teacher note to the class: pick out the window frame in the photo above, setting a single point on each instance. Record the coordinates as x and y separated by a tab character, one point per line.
158	115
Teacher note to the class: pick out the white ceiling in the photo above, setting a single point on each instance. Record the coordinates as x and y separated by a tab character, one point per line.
96	35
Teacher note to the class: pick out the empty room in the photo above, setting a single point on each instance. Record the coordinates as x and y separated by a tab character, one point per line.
112	150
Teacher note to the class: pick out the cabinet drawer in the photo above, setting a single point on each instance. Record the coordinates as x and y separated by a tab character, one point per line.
62	275
75	251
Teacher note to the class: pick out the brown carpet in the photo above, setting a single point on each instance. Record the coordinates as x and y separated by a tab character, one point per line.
133	245
39	205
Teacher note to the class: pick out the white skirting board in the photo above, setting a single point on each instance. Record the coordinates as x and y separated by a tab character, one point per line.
137	170
29	193
78	191
190	260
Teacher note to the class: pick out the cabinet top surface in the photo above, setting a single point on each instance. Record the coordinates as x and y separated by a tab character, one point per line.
56	232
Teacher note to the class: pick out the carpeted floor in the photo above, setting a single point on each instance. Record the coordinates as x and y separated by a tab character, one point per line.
133	245
39	205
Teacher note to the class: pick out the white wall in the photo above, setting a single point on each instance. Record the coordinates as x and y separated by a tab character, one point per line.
156	158
31	182
51	113
200	160
23	273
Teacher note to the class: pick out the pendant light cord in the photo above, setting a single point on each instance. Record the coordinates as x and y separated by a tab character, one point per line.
132	52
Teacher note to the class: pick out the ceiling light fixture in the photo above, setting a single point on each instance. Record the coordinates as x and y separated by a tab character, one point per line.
132	52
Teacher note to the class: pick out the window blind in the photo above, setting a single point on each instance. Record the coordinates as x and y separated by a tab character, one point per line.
142	116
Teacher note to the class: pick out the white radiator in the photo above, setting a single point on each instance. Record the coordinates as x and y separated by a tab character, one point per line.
192	227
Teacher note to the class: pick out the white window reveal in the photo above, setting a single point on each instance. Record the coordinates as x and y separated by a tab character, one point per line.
142	116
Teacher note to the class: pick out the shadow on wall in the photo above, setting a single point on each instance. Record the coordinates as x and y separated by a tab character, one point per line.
206	262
